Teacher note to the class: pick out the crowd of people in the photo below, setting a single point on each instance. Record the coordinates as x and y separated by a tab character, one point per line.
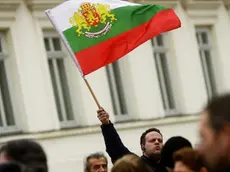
176	155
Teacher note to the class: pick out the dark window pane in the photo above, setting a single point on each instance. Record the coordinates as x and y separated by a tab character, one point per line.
164	81
56	44
119	87
152	41
204	37
1	66
112	94
6	96
47	44
167	81
158	67
65	89
197	38
210	70
1	45
207	54
1	124
160	42
55	88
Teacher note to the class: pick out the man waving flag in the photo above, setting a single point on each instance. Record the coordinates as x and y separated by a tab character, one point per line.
99	32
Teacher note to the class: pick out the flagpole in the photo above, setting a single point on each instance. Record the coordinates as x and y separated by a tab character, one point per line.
92	93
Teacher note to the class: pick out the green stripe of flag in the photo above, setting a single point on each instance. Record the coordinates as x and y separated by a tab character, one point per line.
128	17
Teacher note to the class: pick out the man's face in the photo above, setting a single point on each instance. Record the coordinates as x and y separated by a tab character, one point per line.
213	146
181	167
153	144
97	165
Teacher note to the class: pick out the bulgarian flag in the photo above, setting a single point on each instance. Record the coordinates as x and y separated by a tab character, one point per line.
99	32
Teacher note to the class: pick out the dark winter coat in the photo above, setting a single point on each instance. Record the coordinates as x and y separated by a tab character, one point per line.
116	149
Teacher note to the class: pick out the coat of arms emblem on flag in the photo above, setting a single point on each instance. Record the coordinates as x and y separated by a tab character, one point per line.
99	32
92	15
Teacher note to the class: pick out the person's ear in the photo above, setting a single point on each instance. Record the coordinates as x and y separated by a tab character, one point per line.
143	147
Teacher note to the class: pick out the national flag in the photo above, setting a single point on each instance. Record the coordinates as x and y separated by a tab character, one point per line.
99	32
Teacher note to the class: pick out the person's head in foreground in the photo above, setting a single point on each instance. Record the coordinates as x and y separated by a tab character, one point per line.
215	133
130	163
26	152
96	162
172	145
188	160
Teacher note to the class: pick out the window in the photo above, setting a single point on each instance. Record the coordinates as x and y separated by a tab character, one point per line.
58	73
117	90
7	120
163	73
203	36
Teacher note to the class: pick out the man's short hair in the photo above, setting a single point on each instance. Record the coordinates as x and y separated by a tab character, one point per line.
189	157
142	138
26	152
96	155
218	109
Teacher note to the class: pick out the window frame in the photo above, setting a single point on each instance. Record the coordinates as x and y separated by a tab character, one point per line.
166	87
207	71
53	56
5	129
114	93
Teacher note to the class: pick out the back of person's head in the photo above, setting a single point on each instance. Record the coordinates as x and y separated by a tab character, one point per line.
172	145
130	163
218	109
25	152
190	158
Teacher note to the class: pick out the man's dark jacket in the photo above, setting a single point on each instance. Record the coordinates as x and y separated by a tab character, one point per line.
116	149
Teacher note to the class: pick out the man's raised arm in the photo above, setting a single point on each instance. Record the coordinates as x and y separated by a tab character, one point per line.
114	146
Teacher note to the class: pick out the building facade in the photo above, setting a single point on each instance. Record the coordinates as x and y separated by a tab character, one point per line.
163	83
